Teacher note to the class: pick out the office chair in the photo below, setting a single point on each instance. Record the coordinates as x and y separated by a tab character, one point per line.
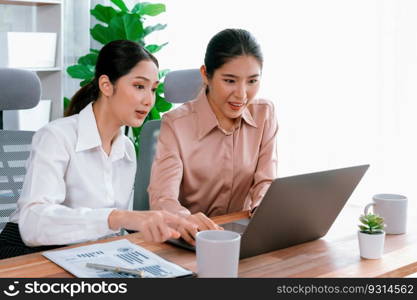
180	86
20	89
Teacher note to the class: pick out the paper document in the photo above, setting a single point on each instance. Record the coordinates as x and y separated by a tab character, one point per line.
121	253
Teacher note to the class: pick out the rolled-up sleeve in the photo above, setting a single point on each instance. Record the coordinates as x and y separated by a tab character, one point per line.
167	172
266	170
44	218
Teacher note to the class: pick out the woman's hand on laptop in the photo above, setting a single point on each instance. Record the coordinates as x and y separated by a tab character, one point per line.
252	211
156	226
202	222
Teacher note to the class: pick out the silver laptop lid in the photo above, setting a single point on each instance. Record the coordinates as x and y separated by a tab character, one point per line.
298	209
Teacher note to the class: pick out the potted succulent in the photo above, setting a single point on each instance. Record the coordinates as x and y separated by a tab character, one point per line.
371	236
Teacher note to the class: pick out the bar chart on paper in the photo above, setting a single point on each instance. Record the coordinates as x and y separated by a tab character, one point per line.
91	254
135	257
121	253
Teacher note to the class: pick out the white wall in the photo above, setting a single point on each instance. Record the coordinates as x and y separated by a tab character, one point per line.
342	74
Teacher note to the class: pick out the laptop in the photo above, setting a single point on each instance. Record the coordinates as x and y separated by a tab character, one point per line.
294	210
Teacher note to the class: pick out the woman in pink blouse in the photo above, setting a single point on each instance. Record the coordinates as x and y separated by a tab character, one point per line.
217	153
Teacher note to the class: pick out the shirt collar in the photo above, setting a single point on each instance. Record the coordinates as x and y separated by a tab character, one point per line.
247	117
89	137
206	118
119	148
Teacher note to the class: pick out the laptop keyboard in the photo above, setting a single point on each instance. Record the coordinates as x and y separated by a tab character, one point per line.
236	227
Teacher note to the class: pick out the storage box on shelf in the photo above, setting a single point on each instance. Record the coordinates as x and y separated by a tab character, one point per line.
39	49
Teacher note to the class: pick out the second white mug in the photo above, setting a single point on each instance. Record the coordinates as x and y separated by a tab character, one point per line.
217	253
393	208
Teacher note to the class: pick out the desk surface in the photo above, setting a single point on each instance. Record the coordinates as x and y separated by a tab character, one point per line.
335	255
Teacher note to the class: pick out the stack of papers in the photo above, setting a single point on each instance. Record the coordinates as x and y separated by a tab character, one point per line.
121	253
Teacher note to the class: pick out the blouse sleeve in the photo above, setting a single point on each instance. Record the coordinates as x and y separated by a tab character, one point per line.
44	218
167	172
266	170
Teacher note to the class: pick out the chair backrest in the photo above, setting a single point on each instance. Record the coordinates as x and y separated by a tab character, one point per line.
20	89
14	151
180	86
148	138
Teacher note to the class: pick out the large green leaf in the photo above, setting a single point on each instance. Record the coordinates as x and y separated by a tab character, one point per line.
162	73
85	82
120	4
136	9
153	9
161	105
160	88
66	102
127	27
155	48
103	13
150	29
89	59
80	72
101	34
149	9
154	114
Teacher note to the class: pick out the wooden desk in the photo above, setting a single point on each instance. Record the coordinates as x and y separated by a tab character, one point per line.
335	255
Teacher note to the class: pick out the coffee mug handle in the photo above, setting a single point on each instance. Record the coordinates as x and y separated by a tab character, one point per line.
367	208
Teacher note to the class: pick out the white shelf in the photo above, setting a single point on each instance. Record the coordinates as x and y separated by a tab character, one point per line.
54	69
30	2
47	16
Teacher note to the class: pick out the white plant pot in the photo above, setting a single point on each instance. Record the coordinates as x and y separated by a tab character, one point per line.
371	246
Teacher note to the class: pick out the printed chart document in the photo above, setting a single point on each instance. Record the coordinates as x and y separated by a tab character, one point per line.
121	253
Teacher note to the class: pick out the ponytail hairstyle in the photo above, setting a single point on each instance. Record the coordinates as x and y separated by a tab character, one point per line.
115	60
229	44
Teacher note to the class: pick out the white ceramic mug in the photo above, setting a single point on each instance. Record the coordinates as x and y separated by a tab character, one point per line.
393	208
217	253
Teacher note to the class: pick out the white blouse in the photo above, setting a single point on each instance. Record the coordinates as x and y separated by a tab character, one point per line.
72	185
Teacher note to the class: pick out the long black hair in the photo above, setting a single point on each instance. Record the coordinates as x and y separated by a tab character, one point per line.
229	44
115	60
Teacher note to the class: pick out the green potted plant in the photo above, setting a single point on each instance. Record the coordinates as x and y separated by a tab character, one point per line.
122	23
371	236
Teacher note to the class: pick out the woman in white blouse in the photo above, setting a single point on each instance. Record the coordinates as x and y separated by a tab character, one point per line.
81	169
